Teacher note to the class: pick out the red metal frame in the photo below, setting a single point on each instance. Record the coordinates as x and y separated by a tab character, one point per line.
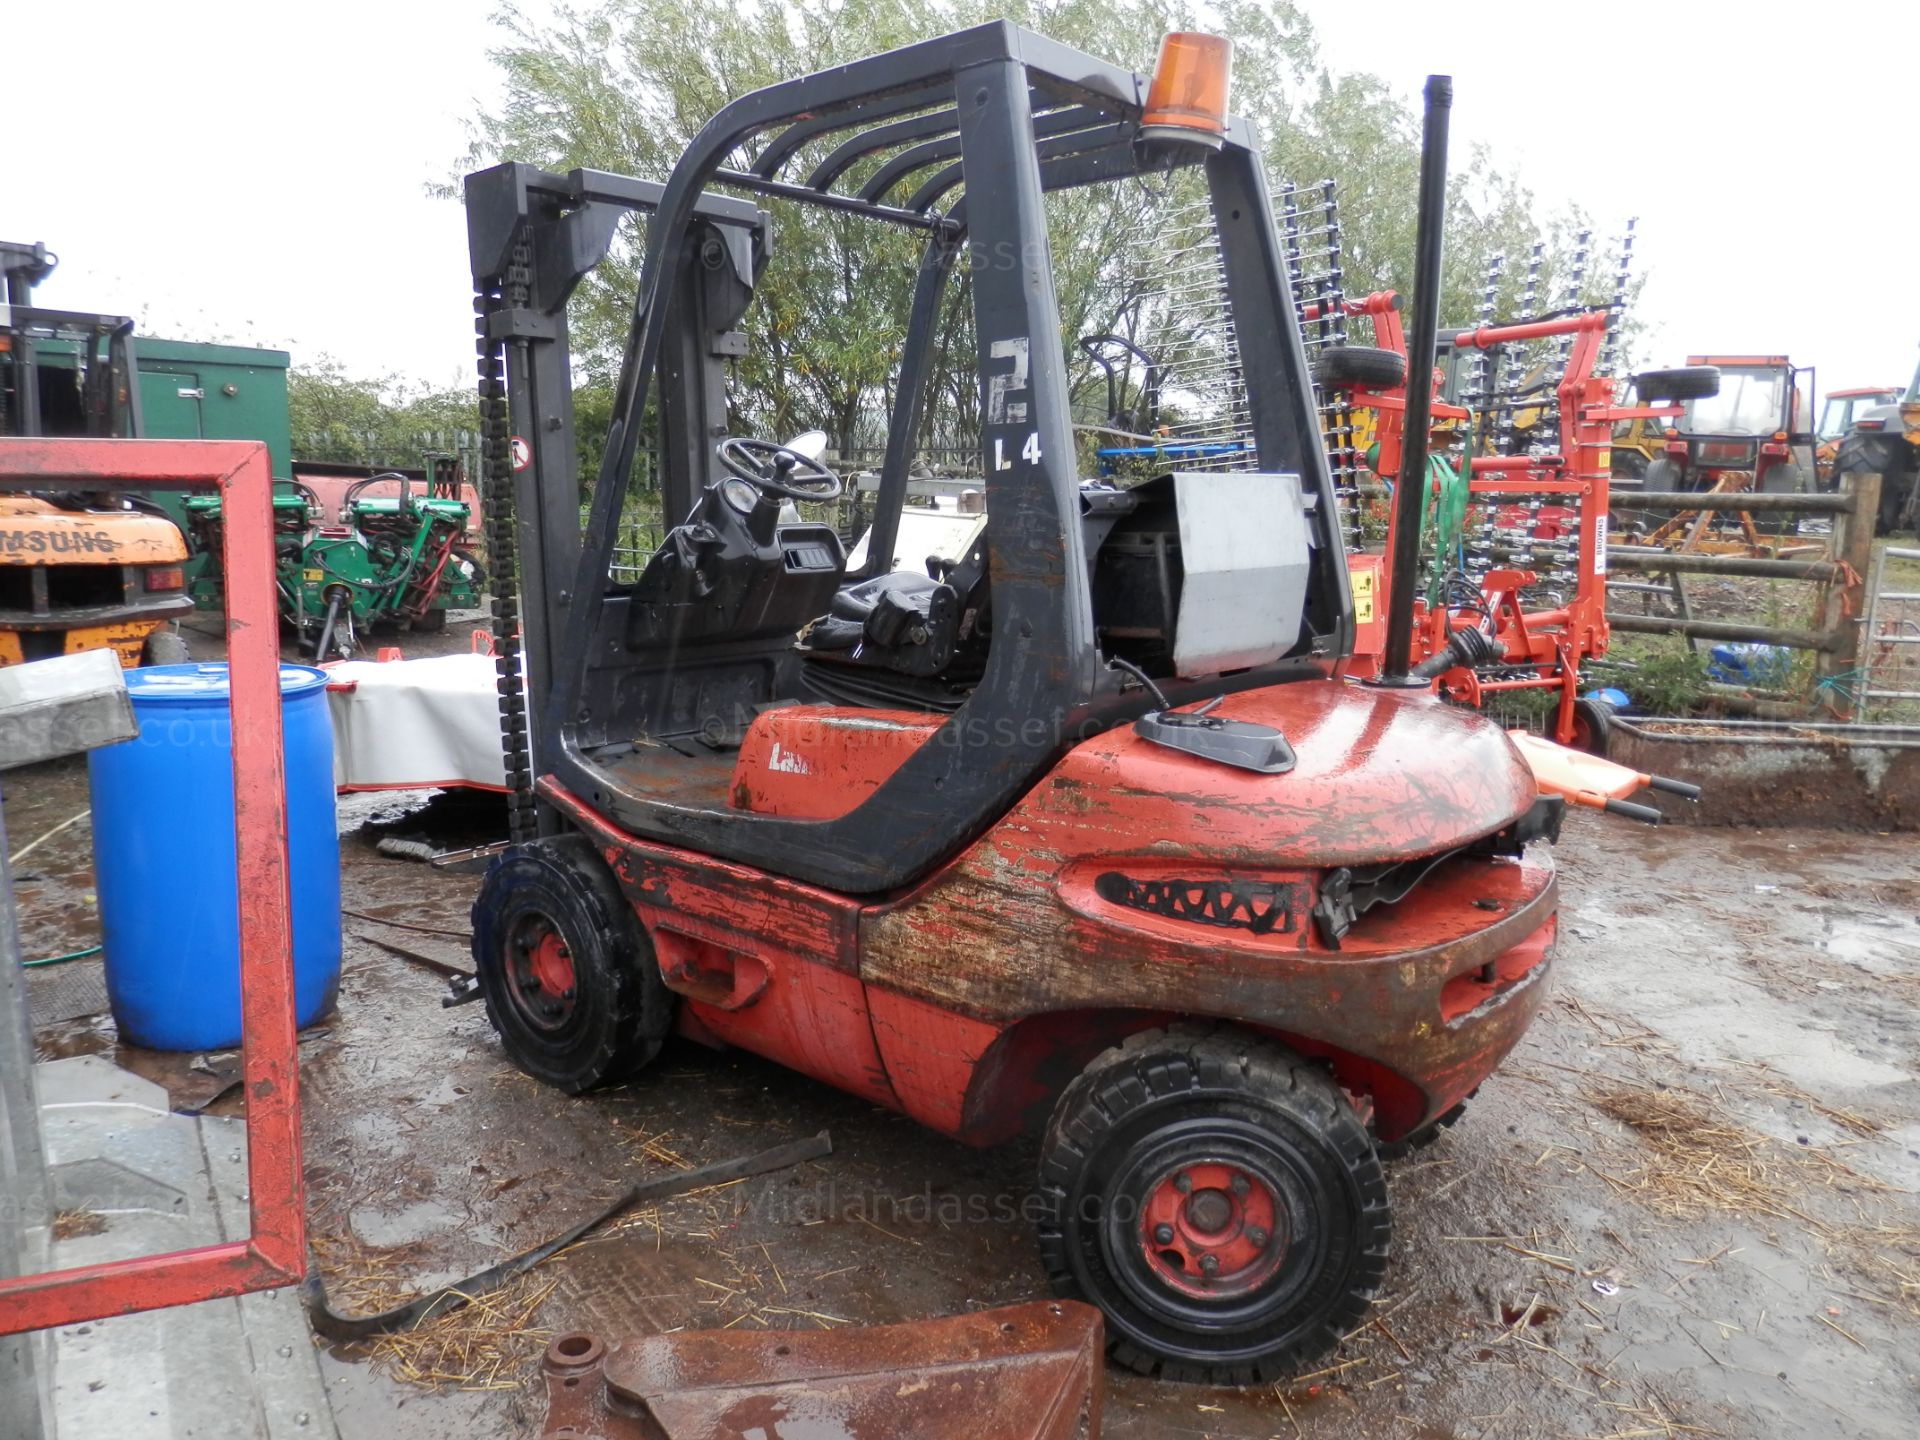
1553	642
274	1254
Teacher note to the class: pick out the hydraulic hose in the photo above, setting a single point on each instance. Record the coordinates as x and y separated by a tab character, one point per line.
335	595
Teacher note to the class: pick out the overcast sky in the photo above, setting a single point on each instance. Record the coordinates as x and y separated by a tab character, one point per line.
256	171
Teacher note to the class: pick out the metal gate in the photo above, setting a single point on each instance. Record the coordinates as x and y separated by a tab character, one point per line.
1890	646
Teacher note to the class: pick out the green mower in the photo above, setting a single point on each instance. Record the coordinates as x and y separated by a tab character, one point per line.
389	560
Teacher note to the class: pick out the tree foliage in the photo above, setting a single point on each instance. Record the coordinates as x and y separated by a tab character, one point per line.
624	85
383	421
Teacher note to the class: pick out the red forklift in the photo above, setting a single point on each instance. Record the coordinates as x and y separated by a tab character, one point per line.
1079	834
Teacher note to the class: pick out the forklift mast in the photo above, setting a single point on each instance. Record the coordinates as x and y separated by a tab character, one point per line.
534	236
972	130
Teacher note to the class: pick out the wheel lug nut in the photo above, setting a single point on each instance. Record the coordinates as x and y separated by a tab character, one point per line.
1183	1182
1163	1234
1209	1264
1258	1237
1239	1184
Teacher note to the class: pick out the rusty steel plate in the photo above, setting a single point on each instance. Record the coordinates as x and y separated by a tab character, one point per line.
1025	1372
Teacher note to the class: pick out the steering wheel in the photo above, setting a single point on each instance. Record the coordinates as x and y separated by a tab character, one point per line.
771	468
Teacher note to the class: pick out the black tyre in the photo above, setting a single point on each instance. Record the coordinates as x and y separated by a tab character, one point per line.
565	968
1220	1201
1892	459
1629	466
1592	720
431	621
1688	382
1663	475
1784	479
1341	367
165	647
1426	1134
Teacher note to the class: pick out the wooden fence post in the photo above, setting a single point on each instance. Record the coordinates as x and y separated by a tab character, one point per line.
1846	600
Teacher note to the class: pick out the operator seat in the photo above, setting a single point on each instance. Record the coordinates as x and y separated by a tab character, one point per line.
923	626
728	575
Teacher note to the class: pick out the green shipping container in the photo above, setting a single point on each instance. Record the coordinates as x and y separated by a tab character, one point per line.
193	391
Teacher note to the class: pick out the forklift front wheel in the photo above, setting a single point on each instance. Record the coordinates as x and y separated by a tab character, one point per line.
1219	1199
565	968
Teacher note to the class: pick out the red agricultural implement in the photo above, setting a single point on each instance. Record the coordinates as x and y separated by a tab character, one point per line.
1487	624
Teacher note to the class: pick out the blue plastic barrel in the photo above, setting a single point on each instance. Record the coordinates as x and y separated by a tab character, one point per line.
164	860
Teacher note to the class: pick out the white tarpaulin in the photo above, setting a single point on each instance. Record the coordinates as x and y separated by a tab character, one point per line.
416	724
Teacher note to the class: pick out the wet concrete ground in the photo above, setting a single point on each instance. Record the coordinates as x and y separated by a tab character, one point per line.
1684	1207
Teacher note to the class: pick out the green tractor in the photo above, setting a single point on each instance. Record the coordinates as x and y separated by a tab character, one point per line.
390	559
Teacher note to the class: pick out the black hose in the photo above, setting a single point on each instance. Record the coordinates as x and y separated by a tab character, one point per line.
331	1324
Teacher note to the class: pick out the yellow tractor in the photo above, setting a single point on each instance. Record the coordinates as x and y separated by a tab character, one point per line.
78	570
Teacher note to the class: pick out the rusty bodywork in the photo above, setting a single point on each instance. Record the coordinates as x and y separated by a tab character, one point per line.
1025	1372
967	1002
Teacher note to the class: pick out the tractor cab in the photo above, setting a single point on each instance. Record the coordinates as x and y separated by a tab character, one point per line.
1837	414
1756	432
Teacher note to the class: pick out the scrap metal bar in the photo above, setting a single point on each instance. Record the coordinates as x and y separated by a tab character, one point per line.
274	1253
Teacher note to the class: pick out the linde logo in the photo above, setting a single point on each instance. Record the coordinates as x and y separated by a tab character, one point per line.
57	542
786	762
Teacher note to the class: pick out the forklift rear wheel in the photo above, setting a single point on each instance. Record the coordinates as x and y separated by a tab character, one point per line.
1591	721
1340	366
163	647
566	970
1219	1199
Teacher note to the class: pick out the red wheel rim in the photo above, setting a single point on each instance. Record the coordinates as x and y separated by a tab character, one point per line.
1212	1230
540	968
